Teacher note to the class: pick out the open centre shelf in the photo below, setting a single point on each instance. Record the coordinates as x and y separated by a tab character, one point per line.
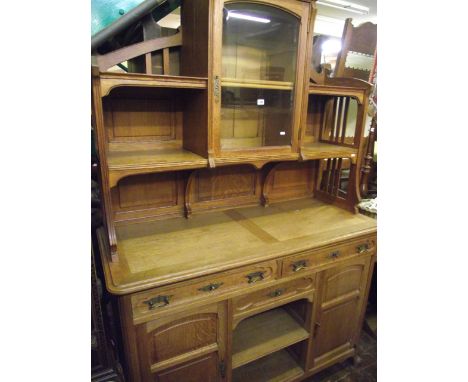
263	334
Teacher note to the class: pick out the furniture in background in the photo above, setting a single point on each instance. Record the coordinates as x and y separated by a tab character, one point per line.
232	247
358	46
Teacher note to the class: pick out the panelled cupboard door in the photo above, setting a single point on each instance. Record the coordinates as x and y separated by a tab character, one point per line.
258	69
342	293
204	369
188	346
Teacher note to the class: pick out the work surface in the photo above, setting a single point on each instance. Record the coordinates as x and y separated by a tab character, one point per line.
161	252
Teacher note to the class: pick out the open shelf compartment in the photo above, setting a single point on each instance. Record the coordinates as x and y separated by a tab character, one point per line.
153	129
266	333
277	367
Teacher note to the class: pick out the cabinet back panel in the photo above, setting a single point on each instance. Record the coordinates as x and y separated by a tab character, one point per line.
224	187
290	180
152	189
136	119
148	195
228	182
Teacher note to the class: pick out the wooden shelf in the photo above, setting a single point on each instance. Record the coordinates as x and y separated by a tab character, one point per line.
257	84
277	367
132	158
263	334
337	90
110	80
320	150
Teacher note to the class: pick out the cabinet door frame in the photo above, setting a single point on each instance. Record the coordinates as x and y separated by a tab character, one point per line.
319	360
299	9
136	346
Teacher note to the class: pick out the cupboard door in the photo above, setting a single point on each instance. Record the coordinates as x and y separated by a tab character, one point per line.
181	346
258	69
342	292
204	369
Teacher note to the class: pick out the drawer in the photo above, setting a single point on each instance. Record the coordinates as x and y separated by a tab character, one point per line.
304	262
146	304
275	295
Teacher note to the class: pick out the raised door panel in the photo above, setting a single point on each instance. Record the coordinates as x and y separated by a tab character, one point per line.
342	292
204	369
181	341
181	336
343	281
336	328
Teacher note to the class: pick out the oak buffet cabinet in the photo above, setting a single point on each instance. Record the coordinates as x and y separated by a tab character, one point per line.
231	240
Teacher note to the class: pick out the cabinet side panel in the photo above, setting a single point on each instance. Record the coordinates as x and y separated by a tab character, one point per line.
195	38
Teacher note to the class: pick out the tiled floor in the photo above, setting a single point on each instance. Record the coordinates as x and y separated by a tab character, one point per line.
346	372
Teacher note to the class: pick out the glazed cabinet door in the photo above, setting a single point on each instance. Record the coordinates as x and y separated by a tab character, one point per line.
187	347
258	71
342	292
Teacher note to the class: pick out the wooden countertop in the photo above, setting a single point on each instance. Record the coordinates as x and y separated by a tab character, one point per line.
162	252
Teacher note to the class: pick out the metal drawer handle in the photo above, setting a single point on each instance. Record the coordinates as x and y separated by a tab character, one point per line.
210	287
157	302
298	265
362	248
334	255
276	293
255	276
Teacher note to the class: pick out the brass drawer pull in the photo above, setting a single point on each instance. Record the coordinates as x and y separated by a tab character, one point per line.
334	255
210	287
276	293
298	265
255	276
362	248
157	302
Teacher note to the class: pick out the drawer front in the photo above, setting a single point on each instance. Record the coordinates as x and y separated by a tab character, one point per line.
146	304
302	263
275	295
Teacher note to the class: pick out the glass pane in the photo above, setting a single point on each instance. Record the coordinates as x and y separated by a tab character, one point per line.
252	117
259	43
258	74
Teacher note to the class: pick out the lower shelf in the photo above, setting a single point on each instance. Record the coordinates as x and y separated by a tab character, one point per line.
263	334
276	367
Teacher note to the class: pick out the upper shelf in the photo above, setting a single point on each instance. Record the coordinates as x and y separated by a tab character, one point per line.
348	87
129	159
257	84
320	150
110	80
